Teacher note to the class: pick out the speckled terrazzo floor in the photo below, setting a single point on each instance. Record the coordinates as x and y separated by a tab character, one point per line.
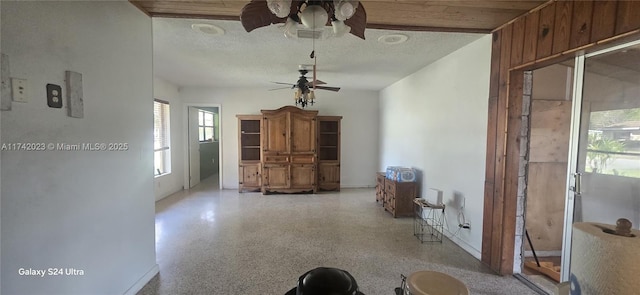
211	241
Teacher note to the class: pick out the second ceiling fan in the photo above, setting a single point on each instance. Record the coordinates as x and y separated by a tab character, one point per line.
305	94
304	85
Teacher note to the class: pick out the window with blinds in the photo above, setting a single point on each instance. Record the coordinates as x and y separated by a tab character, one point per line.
161	138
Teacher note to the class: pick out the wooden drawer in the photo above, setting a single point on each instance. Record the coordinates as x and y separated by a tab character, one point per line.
389	186
390	203
276	159
306	159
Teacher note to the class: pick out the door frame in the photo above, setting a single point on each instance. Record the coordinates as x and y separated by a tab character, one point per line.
574	140
185	140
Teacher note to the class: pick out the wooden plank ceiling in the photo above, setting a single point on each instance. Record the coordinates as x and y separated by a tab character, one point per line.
474	16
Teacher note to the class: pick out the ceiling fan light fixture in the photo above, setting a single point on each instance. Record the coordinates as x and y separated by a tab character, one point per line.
312	96
290	28
339	28
280	8
314	17
344	9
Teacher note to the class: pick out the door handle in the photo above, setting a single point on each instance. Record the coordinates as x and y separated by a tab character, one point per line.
577	183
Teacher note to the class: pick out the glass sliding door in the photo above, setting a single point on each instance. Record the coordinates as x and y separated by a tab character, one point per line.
604	165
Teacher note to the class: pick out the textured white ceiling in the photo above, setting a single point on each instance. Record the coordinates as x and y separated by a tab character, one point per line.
239	59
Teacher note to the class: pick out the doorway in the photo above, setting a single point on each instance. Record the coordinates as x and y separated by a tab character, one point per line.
584	154
550	121
203	158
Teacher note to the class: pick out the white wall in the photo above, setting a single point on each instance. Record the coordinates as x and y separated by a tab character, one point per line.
359	125
86	210
0	169
168	184
436	121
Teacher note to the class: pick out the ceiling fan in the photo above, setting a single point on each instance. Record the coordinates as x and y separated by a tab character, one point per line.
305	85
305	95
343	15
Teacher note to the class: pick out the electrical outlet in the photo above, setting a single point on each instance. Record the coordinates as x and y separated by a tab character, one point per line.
54	96
19	89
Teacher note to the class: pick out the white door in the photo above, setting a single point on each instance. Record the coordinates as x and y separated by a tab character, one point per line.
194	148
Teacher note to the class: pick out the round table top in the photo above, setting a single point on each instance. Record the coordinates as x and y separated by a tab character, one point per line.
435	283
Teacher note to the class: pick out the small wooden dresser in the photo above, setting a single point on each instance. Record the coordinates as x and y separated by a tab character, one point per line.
396	197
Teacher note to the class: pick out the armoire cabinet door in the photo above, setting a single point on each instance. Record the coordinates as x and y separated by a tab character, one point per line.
302	176
250	175
275	135
329	176
303	133
275	176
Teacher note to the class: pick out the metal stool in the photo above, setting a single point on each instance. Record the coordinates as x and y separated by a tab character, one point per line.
433	283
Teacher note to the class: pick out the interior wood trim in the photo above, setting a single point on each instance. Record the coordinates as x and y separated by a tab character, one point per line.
511	168
369	25
426	28
571	53
139	5
195	16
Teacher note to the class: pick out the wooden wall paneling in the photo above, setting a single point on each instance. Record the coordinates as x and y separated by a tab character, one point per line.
628	16
603	23
492	120
530	37
512	165
494	83
581	23
498	196
545	31
562	26
517	42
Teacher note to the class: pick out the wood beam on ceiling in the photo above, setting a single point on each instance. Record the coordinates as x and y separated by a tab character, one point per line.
410	15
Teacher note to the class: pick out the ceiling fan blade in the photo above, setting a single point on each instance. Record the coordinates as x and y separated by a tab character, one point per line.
256	14
358	22
279	88
318	82
336	89
281	83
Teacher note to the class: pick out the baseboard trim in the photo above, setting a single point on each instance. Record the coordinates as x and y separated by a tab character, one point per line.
357	186
143	280
463	244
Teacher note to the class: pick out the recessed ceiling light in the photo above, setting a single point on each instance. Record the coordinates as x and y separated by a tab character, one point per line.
208	29
393	39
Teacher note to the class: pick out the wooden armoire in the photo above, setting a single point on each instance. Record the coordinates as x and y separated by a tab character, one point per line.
293	145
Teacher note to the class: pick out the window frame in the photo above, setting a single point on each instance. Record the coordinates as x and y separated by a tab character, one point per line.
165	128
202	126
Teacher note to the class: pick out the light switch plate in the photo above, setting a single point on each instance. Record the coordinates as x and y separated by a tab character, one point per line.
19	89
